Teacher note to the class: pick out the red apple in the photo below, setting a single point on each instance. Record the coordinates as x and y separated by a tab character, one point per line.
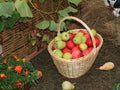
89	42
75	48
87	35
72	35
65	50
76	53
70	44
90	49
97	40
83	31
85	52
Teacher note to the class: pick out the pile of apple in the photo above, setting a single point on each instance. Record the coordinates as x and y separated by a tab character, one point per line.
70	45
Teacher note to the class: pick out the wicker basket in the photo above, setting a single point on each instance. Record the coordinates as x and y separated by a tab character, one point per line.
75	68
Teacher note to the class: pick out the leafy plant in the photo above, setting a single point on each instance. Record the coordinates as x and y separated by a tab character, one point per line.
12	11
51	24
16	73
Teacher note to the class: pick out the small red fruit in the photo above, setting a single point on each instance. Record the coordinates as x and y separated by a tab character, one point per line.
64	50
26	72
90	49
70	44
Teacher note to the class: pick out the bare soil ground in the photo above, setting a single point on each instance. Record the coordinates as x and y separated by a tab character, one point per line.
97	16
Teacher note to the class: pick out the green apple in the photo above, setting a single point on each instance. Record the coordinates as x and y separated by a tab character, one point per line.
65	36
57	38
83	46
83	39
67	55
79	34
94	32
58	53
77	40
60	44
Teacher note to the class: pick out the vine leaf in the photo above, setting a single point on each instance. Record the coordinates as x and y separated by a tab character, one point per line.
23	8
2	25
53	26
76	2
66	11
7	9
11	21
43	25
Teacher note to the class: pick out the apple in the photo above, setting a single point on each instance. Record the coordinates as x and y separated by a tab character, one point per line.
75	48
83	31
87	35
58	53
64	50
85	52
83	39
65	36
97	41
67	55
83	46
76	53
90	49
94	32
60	44
57	38
79	34
70	44
77	40
89	42
72	35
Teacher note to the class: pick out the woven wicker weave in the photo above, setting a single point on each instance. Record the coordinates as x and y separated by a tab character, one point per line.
75	68
15	40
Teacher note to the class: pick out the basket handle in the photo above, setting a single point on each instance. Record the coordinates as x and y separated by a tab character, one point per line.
81	22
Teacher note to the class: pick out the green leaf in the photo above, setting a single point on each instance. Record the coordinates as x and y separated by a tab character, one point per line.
71	10
41	1
116	86
11	21
2	25
6	9
66	11
23	8
53	26
76	2
63	13
43	25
